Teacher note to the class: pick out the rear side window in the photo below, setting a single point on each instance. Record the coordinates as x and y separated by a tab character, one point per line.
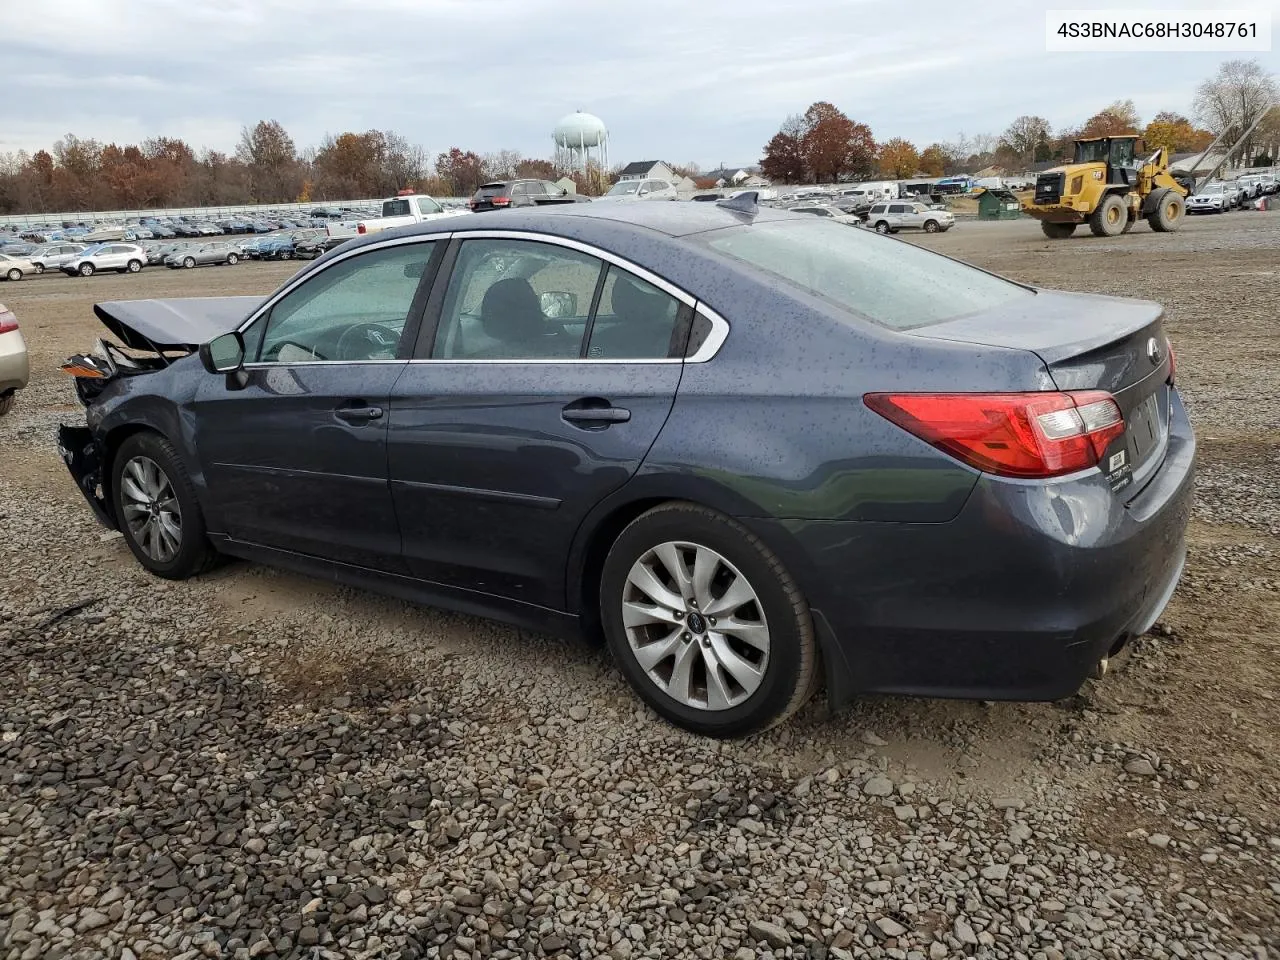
634	320
879	208
895	285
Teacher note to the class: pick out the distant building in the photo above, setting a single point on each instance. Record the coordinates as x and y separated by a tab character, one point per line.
736	177
1187	162
648	170
567	184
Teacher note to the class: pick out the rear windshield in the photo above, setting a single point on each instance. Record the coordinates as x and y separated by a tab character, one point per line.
891	283
491	190
396	208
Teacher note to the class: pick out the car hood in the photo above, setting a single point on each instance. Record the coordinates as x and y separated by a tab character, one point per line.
173	324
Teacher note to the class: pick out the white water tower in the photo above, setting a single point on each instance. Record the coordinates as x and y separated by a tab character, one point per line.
581	138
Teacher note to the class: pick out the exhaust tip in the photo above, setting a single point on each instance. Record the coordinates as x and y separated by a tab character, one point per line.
1101	669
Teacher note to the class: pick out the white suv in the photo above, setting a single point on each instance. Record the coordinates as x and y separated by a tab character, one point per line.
122	257
904	215
641	190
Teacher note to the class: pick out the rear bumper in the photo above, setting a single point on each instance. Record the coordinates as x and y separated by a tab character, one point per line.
15	366
1017	598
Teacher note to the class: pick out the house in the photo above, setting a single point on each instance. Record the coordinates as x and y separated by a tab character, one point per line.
646	170
566	184
736	177
685	187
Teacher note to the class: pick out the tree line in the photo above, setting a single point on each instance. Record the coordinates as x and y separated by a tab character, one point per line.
266	167
824	144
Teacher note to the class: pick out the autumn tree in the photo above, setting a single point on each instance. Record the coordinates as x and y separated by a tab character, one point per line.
833	145
934	160
1175	133
1025	137
530	169
269	154
462	170
898	159
1118	119
783	161
501	165
1233	99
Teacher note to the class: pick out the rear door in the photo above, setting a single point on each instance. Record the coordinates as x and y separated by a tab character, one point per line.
538	394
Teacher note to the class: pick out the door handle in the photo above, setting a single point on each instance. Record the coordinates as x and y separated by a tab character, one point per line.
358	414
595	412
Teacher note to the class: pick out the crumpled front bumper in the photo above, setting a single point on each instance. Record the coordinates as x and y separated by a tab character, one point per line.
83	456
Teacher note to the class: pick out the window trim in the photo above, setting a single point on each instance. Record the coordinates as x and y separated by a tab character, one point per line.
719	325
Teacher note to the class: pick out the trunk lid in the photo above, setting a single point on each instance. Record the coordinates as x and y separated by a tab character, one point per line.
1090	342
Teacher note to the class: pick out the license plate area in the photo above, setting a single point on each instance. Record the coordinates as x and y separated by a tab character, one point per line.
1146	429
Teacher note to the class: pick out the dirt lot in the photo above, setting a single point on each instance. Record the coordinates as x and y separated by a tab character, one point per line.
538	811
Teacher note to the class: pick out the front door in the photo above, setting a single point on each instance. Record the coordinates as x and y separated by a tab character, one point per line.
548	378
296	457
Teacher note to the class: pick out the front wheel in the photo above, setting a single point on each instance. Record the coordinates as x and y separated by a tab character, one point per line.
1166	211
931	226
1109	218
232	259
14	274
86	270
157	510
189	262
707	625
6	403
39	268
882	227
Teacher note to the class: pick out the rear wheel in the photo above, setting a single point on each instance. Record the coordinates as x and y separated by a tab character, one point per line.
6	403
156	508
1166	211
1057	231
135	266
39	268
1109	218
14	274
232	259
86	270
706	623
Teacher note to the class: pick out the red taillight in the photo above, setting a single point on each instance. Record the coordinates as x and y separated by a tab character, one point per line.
8	322
500	201
1173	361
361	228
1010	434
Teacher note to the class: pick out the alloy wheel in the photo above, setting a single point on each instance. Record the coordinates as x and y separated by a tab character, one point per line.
696	626
151	509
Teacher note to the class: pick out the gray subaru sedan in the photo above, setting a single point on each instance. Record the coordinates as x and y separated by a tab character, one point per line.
758	453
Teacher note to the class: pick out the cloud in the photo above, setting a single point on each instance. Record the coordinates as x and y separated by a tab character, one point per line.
708	82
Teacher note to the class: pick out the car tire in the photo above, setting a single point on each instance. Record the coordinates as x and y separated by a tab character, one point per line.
1167	208
188	263
14	275
39	268
134	266
146	468
882	227
1108	218
773	645
931	226
232	259
85	270
7	402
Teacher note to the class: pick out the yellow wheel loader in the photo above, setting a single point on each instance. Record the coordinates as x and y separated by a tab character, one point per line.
1108	187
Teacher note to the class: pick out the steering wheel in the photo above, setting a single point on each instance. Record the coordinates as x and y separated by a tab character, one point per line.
369	340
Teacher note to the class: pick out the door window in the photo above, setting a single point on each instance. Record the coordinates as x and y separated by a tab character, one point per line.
634	321
516	300
427	206
897	208
355	310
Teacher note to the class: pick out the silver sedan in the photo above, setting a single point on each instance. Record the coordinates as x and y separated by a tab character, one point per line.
15	369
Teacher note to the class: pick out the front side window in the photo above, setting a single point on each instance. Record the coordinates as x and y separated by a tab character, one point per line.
354	310
428	206
516	300
895	285
623	188
897	208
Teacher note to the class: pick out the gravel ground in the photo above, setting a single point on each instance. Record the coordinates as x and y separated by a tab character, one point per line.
259	765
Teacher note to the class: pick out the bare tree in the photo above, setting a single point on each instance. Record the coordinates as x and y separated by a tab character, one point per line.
1229	102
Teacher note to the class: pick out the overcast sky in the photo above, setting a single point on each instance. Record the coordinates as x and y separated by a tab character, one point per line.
677	80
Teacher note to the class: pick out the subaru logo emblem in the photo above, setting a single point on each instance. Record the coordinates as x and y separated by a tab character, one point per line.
1154	353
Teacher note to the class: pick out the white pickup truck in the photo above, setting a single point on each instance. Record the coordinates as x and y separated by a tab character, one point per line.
399	212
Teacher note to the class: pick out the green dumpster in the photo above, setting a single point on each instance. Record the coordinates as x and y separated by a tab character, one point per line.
998	205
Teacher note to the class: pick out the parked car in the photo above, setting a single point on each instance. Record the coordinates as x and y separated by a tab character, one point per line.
907	215
15	367
121	257
1211	198
828	211
203	254
972	488
1235	192
641	190
53	256
16	268
504	194
402	212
